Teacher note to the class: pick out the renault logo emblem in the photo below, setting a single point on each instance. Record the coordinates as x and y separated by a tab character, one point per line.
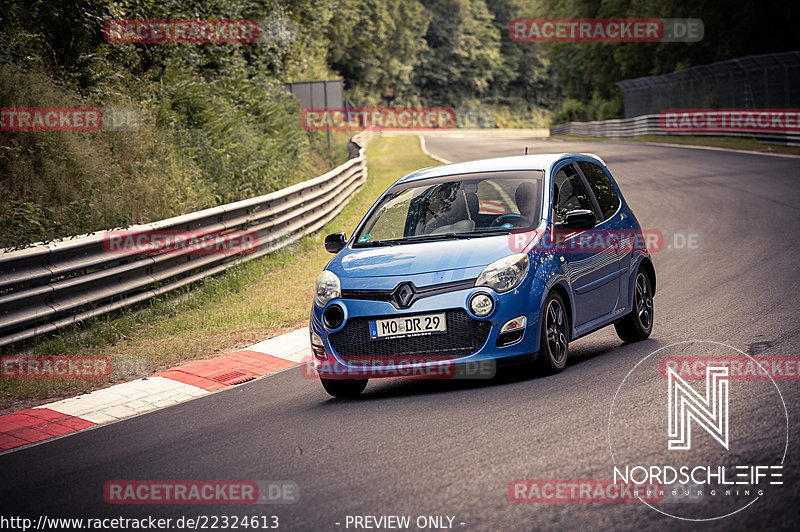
403	295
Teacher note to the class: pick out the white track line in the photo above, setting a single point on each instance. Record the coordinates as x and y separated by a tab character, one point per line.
429	154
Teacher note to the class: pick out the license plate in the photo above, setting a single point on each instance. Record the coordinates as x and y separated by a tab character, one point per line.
408	326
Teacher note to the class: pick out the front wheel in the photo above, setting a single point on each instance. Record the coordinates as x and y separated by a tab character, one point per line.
638	324
554	343
344	388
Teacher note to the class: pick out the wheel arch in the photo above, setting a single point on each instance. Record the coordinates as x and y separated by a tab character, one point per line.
647	265
564	293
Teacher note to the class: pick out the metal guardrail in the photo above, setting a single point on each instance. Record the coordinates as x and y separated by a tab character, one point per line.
650	125
48	287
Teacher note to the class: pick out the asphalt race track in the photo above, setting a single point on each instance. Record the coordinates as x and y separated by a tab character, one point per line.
452	448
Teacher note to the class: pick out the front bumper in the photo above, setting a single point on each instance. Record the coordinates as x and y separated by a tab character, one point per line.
469	348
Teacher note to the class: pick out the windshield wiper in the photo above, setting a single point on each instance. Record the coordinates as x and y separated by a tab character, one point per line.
498	231
438	236
448	236
431	238
376	243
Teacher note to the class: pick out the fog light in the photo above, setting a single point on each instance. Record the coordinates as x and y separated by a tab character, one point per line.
511	332
513	325
481	305
317	347
333	317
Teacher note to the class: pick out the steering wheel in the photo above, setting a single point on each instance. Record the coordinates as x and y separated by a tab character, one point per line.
512	219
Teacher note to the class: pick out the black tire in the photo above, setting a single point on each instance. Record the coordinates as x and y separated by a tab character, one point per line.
344	388
554	344
638	324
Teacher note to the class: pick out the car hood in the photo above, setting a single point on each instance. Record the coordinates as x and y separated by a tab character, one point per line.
424	257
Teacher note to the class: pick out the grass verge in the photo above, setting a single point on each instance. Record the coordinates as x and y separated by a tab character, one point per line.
734	143
247	304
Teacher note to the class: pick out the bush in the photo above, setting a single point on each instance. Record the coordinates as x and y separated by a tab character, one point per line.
571	111
217	125
63	183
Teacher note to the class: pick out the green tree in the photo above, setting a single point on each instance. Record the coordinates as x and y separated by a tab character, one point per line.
463	52
376	46
587	72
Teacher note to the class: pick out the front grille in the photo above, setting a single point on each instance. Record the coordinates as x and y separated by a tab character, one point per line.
464	336
417	293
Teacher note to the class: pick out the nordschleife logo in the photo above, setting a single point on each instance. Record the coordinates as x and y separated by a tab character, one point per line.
715	447
710	411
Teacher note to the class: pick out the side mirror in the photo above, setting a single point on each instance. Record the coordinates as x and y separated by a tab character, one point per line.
579	219
335	242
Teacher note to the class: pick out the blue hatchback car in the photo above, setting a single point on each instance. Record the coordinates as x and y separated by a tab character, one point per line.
494	260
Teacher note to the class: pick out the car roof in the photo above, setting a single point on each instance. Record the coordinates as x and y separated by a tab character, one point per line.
541	161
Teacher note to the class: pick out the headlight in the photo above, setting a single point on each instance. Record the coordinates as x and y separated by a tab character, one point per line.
504	274
328	287
481	304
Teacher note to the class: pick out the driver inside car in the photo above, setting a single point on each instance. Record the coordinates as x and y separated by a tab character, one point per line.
526	199
454	215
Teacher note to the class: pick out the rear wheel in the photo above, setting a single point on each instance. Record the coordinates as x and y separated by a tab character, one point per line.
344	388
554	343
638	324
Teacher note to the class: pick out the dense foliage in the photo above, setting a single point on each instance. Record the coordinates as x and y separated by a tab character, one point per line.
218	125
586	72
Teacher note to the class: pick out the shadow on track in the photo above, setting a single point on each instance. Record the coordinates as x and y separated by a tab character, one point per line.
381	389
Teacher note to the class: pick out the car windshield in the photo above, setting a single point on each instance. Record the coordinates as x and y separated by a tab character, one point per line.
456	206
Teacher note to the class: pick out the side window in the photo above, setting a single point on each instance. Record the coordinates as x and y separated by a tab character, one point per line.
571	193
602	188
